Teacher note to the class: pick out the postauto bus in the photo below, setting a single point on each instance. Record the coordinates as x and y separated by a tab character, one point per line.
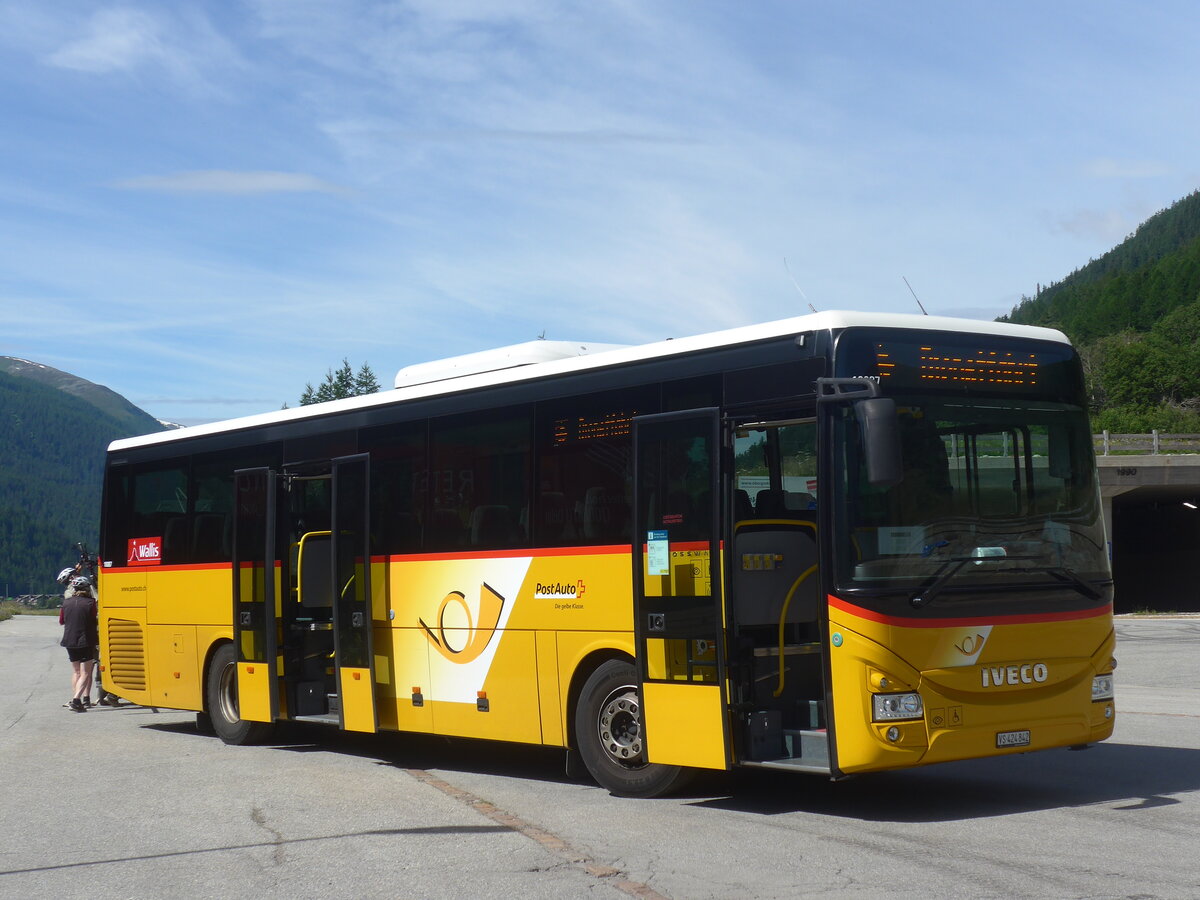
834	544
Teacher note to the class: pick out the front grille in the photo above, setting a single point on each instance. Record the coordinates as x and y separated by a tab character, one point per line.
126	655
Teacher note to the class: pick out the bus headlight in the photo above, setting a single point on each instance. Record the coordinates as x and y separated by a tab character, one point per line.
887	707
1102	687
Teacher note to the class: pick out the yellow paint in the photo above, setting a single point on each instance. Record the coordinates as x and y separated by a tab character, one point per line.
254	696
549	696
170	649
358	699
962	715
682	724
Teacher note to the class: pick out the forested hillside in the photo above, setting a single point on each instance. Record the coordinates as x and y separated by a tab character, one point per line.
52	450
1135	315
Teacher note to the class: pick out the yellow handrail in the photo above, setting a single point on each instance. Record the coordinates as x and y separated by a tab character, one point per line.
783	622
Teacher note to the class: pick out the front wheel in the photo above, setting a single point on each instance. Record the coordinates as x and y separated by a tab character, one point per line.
222	700
608	734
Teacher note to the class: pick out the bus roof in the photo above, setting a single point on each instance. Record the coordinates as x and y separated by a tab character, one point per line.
516	370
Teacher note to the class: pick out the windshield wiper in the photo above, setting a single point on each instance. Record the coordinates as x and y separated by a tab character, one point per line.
926	593
1074	579
929	591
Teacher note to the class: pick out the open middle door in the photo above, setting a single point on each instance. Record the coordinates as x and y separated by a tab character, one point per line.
677	589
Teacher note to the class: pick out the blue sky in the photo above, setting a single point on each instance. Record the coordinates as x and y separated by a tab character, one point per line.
205	205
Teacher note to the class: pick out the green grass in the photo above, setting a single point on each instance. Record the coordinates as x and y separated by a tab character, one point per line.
9	608
1146	611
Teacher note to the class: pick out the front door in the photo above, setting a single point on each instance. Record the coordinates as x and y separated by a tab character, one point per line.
255	593
677	589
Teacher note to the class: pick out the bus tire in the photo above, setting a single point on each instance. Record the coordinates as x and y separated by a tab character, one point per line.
222	701
608	734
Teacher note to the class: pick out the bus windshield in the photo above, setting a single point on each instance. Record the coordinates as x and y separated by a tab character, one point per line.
993	493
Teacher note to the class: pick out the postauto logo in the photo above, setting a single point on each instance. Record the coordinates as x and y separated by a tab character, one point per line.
559	590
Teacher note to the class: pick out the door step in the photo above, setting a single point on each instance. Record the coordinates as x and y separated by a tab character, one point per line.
331	716
805	751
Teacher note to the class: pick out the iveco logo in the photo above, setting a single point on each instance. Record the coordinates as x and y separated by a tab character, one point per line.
999	676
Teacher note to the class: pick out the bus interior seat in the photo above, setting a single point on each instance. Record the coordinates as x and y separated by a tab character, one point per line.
742	510
316	574
762	588
770	504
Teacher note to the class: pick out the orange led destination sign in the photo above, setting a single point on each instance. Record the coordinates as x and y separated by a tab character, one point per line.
949	366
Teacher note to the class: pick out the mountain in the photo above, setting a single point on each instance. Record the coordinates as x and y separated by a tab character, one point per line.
1131	287
54	428
1134	313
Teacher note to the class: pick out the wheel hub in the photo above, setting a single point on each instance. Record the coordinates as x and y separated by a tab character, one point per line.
620	726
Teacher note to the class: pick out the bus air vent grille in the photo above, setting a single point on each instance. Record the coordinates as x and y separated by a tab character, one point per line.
126	655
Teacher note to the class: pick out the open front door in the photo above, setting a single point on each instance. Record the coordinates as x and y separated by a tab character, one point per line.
677	589
255	588
351	549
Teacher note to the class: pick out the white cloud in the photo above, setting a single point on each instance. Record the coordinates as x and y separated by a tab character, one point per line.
223	182
1126	168
177	40
116	40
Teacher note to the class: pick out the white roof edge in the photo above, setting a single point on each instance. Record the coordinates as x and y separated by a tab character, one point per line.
833	319
528	353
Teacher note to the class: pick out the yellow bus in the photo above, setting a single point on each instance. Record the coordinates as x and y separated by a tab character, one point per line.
835	544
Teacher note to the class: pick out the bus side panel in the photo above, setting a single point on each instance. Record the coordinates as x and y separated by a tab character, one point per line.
175	679
506	708
549	692
123	634
408	666
195	595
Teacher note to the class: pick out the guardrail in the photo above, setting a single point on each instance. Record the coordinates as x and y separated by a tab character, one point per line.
1154	443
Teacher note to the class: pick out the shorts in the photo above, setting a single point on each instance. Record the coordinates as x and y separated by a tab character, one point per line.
81	654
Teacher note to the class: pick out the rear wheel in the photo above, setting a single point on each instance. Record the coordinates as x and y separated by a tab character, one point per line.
608	734
222	701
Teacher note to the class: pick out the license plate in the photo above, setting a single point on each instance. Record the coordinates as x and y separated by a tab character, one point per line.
1012	739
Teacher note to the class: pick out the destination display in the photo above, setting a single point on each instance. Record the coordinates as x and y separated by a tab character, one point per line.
942	364
589	428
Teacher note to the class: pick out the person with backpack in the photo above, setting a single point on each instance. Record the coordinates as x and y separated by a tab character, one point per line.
81	637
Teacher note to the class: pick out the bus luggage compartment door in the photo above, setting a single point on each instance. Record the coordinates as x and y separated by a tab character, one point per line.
677	589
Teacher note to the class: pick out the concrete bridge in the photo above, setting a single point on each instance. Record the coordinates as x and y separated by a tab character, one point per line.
1150	487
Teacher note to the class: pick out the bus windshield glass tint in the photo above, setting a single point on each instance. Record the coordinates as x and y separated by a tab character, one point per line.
993	492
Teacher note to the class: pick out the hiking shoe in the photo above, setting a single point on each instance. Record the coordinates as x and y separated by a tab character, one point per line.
87	702
77	705
109	700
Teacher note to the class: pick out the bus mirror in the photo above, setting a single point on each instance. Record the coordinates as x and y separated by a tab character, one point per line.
881	440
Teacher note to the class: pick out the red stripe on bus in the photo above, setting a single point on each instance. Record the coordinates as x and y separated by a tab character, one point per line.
182	567
1024	619
516	553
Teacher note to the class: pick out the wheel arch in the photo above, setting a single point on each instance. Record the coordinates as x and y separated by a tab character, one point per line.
214	645
583	670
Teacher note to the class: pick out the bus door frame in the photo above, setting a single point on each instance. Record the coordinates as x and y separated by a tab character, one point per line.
255	592
683	722
354	654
